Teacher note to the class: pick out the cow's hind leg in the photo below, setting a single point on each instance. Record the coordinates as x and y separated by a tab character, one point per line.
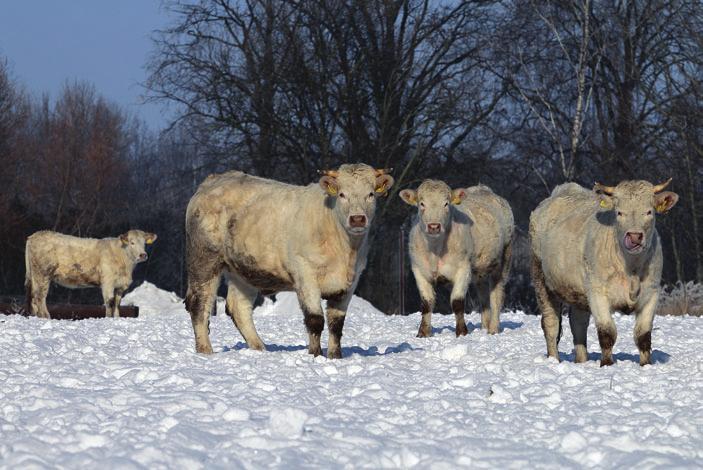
578	321
497	285
199	301
239	306
551	313
497	296
483	291
39	291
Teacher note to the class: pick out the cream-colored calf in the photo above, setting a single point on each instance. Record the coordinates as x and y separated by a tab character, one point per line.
460	236
75	262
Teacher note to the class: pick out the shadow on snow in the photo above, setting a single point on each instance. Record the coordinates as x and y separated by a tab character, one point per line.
504	325
346	351
658	357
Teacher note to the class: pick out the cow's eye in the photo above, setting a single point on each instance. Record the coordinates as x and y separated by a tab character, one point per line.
131	243
619	214
342	195
446	204
370	195
422	205
649	212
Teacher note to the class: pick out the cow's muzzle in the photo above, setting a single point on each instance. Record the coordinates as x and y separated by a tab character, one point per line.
357	221
634	242
434	229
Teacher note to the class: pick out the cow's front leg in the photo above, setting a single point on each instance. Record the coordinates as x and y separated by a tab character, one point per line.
461	285
427	296
108	291
336	313
310	301
643	328
605	326
116	299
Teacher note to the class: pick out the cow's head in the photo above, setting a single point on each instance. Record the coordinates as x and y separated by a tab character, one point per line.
433	200
135	241
352	190
634	204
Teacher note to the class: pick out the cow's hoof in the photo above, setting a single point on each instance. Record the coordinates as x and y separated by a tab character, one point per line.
334	353
606	362
645	359
424	333
315	351
257	346
203	349
461	331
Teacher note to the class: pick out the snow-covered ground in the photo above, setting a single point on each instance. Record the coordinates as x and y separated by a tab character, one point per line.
131	393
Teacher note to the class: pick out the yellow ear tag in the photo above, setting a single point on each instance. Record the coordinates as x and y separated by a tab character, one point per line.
603	203
331	190
661	207
149	241
456	200
381	189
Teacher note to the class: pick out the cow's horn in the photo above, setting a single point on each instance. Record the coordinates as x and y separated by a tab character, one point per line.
661	187
383	171
332	173
599	188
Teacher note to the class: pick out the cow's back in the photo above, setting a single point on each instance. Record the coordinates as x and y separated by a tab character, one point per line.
491	227
70	261
255	220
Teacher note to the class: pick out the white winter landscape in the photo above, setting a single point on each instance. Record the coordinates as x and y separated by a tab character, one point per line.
131	393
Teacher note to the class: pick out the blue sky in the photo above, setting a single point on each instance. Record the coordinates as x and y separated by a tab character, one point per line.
103	42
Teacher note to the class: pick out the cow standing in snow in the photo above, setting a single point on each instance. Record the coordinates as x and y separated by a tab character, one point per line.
266	236
75	262
460	236
599	251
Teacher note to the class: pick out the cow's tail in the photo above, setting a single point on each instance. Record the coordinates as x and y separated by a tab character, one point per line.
28	277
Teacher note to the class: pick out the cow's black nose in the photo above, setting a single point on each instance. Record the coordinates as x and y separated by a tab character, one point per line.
434	228
357	221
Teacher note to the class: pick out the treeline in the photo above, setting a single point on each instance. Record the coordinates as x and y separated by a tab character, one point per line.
518	95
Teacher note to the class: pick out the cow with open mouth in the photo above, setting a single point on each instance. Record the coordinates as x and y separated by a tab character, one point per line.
599	251
266	236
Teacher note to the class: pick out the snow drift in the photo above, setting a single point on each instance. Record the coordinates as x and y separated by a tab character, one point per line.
131	393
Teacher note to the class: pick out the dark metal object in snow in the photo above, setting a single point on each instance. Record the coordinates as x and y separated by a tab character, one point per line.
69	311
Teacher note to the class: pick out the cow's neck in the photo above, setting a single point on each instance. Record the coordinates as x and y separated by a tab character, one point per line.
355	245
632	265
436	246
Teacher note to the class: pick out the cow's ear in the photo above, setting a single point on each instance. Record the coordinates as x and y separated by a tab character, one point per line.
458	195
605	196
329	184
150	238
664	201
409	196
606	202
383	184
124	238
